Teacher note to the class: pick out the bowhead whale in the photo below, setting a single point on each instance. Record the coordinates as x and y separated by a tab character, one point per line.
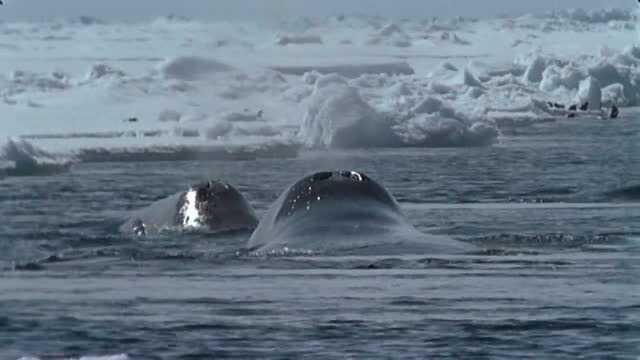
213	206
343	212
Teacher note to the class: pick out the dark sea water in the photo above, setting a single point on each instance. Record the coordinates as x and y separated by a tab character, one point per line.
555	210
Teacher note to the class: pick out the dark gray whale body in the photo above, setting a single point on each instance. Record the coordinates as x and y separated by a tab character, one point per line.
346	213
212	206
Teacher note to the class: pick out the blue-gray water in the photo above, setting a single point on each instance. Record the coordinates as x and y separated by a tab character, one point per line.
555	207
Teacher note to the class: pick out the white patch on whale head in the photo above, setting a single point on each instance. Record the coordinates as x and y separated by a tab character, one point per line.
355	176
189	211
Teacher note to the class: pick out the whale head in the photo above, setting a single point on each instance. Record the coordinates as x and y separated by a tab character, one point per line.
352	190
216	205
211	206
341	212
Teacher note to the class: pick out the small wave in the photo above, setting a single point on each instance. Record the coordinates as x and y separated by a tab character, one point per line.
280	252
631	193
104	357
21	158
553	325
470	261
553	240
552	190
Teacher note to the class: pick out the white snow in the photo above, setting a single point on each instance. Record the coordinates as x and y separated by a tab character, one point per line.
590	91
177	88
469	79
337	116
535	69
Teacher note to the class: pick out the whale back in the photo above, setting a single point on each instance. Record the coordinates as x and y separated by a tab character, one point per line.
340	212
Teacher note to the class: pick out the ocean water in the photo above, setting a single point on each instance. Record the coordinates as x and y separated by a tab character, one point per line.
555	210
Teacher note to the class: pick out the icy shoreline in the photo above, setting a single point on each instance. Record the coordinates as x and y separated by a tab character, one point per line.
182	89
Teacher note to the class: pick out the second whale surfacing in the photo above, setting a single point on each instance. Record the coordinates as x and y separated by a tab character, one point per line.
212	206
344	213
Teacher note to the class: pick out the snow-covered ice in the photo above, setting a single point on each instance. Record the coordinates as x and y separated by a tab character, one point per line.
176	88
